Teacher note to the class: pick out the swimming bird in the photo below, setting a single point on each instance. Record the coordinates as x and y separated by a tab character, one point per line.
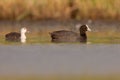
70	36
17	37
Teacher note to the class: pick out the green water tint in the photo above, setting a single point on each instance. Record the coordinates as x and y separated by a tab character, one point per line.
93	38
105	40
47	40
81	77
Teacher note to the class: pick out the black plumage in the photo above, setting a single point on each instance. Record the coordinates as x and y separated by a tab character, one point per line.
70	36
13	36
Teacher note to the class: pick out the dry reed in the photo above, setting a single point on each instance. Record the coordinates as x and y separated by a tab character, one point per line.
59	9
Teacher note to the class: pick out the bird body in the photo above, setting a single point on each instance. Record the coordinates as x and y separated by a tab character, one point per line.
13	36
70	36
63	36
16	37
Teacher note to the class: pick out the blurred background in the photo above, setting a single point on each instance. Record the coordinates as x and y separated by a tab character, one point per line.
59	9
39	59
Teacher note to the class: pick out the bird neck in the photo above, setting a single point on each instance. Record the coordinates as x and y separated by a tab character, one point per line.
23	38
23	35
83	37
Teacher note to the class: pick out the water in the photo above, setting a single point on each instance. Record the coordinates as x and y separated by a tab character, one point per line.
59	59
39	31
17	59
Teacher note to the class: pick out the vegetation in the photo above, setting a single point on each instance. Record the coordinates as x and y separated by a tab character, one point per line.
59	9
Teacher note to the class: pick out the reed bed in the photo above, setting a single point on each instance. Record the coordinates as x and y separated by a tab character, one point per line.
59	9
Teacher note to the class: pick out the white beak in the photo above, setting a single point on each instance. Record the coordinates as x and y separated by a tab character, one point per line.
88	29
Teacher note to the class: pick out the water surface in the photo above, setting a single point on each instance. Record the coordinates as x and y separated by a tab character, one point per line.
59	59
